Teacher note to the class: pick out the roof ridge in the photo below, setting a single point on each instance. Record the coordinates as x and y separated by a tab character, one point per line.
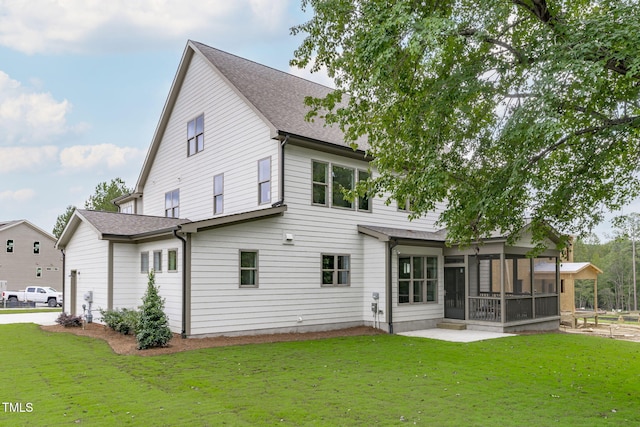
261	65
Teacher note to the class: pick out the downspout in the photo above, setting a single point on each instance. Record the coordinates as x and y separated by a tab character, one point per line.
183	333
281	166
64	268
389	294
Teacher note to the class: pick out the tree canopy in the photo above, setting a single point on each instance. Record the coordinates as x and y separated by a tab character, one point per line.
508	111
101	200
105	193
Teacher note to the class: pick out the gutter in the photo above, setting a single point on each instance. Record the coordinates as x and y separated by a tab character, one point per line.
389	291
183	333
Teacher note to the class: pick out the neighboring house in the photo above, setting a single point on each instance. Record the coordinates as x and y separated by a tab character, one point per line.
28	256
239	210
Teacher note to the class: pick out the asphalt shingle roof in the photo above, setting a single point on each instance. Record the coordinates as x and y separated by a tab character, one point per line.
279	96
118	224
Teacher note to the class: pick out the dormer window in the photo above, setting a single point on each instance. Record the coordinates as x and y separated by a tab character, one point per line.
195	135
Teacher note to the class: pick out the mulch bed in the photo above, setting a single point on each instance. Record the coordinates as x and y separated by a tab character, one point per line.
126	344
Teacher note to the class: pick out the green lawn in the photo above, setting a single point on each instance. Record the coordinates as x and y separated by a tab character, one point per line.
534	380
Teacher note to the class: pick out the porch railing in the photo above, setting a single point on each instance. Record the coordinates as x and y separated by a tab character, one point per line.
488	308
519	308
547	306
485	308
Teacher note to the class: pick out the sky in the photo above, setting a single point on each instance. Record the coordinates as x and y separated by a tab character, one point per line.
83	84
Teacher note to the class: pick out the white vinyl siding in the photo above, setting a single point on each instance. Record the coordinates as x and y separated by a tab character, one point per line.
247	139
88	255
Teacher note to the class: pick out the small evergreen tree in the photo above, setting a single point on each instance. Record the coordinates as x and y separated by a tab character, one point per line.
153	329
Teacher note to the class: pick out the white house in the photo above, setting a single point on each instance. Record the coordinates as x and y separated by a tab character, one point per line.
238	209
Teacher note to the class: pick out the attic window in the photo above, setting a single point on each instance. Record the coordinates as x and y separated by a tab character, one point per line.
195	135
10	246
36	247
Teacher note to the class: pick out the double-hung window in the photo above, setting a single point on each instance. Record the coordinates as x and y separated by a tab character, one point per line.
249	269
417	279
157	261
36	248
342	179
336	270
10	246
364	202
320	184
195	135
172	260
144	262
218	194
264	181
172	204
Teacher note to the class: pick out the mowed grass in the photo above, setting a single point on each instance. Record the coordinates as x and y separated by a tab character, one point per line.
386	380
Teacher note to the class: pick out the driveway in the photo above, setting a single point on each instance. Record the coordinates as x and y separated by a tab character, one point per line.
38	318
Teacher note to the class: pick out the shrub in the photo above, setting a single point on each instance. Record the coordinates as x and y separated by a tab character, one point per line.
123	320
153	328
69	320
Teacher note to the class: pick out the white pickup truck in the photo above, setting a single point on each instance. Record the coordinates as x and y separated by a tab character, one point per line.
41	294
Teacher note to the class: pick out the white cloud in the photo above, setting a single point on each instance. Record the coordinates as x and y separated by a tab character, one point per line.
22	195
46	26
96	157
27	116
25	159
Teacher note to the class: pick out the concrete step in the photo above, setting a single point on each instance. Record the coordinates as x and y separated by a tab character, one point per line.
452	325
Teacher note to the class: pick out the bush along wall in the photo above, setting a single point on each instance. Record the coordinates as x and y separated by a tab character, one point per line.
153	327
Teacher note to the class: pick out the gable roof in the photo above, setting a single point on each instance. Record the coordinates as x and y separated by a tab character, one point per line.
275	96
119	226
6	225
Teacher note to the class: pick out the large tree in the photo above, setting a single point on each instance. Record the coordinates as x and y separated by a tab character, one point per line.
628	226
508	110
101	200
105	193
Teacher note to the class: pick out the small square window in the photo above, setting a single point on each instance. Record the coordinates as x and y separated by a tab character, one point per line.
336	270
248	268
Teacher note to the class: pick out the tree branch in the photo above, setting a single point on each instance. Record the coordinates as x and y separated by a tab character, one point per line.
470	32
593	129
